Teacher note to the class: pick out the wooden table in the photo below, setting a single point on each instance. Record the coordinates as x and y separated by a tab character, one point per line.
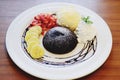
109	10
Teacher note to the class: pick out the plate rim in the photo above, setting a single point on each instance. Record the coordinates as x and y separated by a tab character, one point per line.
110	47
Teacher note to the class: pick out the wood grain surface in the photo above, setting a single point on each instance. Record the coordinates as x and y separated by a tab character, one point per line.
109	10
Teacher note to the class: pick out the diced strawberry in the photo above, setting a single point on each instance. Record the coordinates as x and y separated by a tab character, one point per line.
34	23
38	24
37	17
46	21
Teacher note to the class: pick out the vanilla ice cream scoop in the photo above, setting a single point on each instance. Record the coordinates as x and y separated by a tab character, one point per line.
85	32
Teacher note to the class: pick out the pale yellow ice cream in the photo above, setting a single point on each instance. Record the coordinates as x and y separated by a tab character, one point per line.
68	17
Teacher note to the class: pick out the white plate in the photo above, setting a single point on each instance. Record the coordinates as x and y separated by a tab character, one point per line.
17	27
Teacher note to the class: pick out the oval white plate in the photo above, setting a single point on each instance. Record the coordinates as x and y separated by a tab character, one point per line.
17	27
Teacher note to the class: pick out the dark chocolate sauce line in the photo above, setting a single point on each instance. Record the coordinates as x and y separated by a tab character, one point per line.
92	47
88	46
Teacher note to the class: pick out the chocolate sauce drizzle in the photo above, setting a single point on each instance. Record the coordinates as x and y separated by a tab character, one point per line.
89	47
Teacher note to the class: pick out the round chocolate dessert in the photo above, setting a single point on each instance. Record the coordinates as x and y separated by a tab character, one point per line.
60	40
